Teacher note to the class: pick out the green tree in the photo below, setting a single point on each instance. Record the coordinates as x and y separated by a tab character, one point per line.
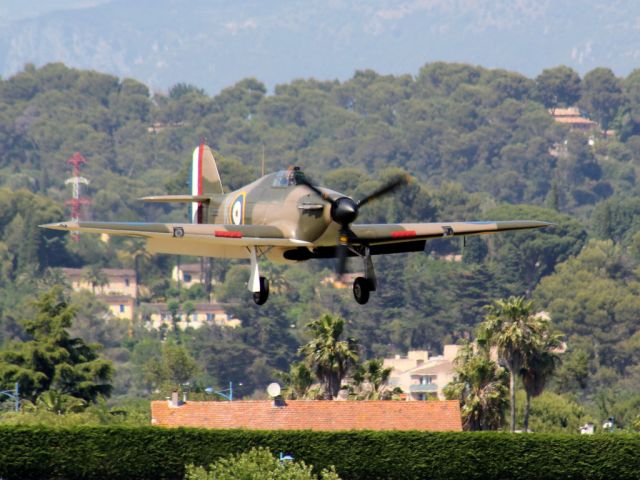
617	218
521	259
557	87
257	463
481	387
53	360
590	293
573	374
514	330
601	95
173	368
330	358
554	413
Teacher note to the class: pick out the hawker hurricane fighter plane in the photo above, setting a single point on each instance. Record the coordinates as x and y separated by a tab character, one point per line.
283	217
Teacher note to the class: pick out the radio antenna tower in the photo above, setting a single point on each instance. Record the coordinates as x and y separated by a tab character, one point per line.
76	180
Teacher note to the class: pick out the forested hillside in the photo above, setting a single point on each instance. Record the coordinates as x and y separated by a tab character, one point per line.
480	143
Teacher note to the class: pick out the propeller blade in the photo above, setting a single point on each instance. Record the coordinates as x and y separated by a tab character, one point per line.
341	260
316	190
342	251
385	189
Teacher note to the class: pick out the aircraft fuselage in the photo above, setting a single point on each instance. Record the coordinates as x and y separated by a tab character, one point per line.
271	201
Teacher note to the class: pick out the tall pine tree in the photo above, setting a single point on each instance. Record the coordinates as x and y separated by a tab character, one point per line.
52	359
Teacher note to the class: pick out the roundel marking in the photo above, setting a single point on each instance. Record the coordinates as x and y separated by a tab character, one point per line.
237	210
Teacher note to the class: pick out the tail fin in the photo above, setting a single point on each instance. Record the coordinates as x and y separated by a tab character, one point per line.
205	180
205	184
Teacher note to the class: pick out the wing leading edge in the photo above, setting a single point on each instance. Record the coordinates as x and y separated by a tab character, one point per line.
385	239
213	234
374	234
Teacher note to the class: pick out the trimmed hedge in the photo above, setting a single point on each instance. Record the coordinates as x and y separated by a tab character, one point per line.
157	453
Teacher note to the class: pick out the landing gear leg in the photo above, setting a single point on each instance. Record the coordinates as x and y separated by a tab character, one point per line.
258	285
363	286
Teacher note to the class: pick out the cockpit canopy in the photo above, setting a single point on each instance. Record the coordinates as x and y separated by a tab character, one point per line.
289	177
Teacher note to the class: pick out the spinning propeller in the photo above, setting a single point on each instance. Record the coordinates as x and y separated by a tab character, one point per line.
344	211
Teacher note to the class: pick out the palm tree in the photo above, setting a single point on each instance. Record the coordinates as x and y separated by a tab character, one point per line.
375	376
135	254
174	308
95	277
329	357
511	327
140	257
60	403
298	380
481	387
540	366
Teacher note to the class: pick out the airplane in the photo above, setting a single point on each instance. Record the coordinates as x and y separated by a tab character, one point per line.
284	217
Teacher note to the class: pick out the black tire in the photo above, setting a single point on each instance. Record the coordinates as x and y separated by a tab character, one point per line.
261	297
361	290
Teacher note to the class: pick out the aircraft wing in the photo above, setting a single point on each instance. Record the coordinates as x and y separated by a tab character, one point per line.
381	234
187	234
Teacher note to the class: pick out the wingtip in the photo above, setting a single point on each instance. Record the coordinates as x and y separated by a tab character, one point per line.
59	225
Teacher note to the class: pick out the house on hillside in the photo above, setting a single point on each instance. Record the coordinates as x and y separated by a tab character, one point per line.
118	291
322	415
119	281
573	119
420	376
189	274
158	316
120	306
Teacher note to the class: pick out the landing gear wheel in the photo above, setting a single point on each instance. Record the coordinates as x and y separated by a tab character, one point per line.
261	297
361	289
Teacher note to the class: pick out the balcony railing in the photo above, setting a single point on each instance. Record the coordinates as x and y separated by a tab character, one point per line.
426	388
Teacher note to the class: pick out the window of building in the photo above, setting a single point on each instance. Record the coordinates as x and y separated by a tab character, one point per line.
426	380
126	281
186	277
121	308
209	317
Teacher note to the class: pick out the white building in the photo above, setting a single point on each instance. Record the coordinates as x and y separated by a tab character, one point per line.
158	314
421	376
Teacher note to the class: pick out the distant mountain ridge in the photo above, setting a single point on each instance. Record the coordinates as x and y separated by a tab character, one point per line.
215	43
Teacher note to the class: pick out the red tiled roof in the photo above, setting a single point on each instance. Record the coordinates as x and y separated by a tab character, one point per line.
191	267
311	415
160	307
109	272
575	120
116	298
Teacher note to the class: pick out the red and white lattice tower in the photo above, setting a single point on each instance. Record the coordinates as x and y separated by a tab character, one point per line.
76	180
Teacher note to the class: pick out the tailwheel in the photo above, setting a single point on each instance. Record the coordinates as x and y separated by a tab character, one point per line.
261	297
361	289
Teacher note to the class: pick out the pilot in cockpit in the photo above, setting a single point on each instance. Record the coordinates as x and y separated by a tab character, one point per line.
290	177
